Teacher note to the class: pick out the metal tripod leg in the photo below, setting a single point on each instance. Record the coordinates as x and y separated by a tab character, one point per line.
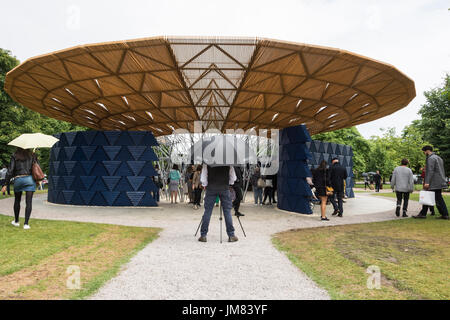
201	220
241	226
220	218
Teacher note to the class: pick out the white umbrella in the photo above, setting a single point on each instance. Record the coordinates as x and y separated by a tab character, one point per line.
33	141
222	150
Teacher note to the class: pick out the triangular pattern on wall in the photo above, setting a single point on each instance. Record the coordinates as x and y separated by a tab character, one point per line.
113	169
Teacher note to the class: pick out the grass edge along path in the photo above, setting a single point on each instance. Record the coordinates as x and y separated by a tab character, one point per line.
34	262
411	254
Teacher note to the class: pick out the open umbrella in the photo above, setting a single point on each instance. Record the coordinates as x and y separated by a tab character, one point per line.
33	141
222	150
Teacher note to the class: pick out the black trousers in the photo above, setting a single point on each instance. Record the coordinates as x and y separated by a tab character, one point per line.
268	192
440	203
402	196
197	195
339	205
237	202
424	210
28	205
377	186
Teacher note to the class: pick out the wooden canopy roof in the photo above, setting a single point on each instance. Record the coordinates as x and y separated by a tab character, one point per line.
164	83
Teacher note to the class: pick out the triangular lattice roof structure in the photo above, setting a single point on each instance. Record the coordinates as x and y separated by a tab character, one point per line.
164	83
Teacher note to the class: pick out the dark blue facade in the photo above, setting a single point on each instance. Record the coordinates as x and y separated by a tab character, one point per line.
326	151
292	189
103	168
298	156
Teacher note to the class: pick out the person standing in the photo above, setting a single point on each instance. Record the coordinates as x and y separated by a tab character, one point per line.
157	181
256	184
321	180
3	172
20	169
197	187
402	183
377	179
237	187
337	176
366	182
174	177
188	180
435	181
217	180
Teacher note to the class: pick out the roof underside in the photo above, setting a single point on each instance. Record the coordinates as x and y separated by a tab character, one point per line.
165	83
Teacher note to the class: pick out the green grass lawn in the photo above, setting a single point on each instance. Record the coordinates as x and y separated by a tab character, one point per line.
34	262
413	256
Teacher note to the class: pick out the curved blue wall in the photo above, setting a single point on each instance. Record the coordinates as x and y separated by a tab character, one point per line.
298	155
326	151
292	189
103	168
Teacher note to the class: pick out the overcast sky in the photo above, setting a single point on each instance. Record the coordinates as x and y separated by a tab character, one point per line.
412	35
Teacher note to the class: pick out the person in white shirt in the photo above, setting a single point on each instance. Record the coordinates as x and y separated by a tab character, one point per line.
217	180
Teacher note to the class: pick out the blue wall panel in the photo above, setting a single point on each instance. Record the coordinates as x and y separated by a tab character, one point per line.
103	168
298	156
293	191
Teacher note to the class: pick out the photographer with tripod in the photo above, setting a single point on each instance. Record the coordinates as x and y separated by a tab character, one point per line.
217	180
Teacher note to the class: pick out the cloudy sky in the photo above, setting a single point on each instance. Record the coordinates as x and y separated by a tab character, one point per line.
412	35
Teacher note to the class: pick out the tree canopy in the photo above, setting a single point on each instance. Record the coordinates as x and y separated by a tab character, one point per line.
435	122
16	119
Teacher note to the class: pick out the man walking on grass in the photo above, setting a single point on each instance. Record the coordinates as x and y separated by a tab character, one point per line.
402	183
435	181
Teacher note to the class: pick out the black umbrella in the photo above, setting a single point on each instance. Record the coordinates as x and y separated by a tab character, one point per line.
222	150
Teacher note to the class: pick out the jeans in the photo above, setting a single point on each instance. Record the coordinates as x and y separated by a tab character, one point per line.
402	196
155	195
339	205
440	203
257	193
210	199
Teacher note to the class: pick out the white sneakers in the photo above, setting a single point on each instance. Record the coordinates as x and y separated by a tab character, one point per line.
17	224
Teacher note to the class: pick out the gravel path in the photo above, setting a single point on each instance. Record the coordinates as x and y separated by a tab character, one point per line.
177	266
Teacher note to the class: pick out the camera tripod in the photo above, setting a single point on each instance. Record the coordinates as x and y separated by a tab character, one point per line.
220	219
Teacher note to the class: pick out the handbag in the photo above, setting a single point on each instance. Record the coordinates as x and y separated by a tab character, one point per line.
36	171
328	190
427	198
260	183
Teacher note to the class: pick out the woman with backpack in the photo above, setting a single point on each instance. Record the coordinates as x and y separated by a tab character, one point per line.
174	177
20	168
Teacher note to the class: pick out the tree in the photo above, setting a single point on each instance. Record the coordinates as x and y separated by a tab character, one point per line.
15	119
435	123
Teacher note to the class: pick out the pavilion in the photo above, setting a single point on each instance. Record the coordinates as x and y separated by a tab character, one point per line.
161	84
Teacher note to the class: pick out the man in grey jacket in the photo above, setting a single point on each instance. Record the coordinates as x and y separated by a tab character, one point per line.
402	183
435	180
